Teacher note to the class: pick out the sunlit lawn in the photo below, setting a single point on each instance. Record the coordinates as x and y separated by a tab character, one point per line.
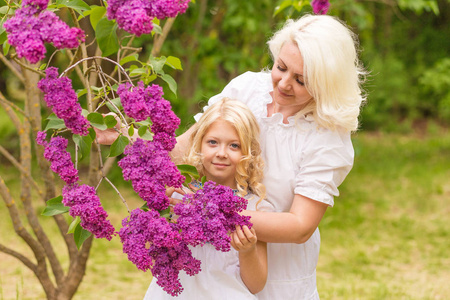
386	238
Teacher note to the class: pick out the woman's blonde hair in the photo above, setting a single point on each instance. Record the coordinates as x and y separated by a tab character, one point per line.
332	70
249	171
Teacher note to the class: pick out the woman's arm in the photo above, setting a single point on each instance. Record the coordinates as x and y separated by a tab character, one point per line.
295	226
252	258
181	146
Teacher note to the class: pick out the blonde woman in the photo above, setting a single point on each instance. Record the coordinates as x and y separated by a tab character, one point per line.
306	107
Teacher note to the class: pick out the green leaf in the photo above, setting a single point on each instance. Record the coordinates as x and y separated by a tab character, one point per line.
6	47
118	146
203	180
174	62
110	121
138	71
78	5
54	207
116	102
97	13
80	235
106	34
81	92
188	169
54	123
73	225
144	133
97	120
131	130
156	29
133	57
282	7
157	64
84	143
171	82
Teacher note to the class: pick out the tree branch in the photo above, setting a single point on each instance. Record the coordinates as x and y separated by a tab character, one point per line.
159	40
20	257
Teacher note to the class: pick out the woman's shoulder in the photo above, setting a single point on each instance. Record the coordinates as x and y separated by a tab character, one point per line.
250	79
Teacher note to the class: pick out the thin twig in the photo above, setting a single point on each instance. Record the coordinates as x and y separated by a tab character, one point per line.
12	68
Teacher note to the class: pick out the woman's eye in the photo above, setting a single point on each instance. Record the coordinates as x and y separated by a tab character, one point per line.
212	142
300	82
235	146
281	68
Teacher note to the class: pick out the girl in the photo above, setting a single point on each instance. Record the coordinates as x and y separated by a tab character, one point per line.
224	147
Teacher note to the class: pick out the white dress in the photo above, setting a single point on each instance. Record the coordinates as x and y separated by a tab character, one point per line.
219	278
300	158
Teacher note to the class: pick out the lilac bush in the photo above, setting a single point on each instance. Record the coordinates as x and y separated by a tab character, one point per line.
150	169
151	242
208	215
33	26
136	16
62	99
60	160
320	7
84	203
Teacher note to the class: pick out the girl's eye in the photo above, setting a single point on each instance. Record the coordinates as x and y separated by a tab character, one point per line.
235	146
212	142
281	68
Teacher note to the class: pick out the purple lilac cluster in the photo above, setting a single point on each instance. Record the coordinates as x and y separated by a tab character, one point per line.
150	169
84	203
136	16
33	25
151	242
55	152
62	99
209	214
320	7
140	103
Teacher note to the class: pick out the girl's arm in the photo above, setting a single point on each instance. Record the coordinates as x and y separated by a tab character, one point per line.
252	258
295	226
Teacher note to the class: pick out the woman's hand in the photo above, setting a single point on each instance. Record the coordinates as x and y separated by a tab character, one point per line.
243	239
108	136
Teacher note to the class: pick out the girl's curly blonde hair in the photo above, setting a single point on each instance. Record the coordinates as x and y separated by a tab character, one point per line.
249	171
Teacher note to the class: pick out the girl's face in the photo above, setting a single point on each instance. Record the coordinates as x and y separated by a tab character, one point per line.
221	153
289	91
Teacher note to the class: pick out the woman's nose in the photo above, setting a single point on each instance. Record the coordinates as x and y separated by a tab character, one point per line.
284	82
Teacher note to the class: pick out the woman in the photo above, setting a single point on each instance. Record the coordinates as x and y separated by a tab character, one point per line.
306	106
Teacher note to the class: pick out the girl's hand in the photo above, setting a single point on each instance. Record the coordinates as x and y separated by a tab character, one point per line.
243	239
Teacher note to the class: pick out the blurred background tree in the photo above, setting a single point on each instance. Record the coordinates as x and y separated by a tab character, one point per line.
404	44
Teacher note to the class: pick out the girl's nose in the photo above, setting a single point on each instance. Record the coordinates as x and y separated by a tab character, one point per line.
221	152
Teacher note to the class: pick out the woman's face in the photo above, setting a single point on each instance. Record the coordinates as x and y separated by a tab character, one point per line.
289	91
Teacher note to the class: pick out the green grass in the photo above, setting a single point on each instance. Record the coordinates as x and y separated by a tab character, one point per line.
387	236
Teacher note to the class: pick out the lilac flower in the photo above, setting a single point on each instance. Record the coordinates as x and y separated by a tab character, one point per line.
84	203
135	16
32	26
320	7
60	96
151	242
150	169
140	103
209	214
55	152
